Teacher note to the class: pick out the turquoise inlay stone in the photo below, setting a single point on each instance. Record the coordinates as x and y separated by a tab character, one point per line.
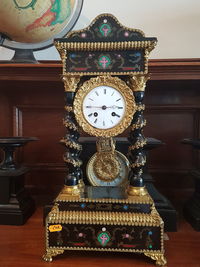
105	29
103	238
73	55
104	61
125	207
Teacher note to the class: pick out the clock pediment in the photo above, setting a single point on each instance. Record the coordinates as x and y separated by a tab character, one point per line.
105	46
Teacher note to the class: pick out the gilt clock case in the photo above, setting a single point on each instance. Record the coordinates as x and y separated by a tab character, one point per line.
83	218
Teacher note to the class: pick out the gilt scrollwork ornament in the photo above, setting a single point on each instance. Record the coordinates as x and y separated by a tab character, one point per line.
70	83
140	142
140	107
68	108
63	55
52	253
71	143
71	190
70	124
138	82
106	164
107	167
158	257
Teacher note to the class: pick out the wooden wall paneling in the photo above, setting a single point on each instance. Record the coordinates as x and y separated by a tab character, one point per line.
173	92
174	106
170	163
44	122
45	155
174	69
5	114
37	110
169	126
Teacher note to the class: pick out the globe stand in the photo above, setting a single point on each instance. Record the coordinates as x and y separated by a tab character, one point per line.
22	56
16	206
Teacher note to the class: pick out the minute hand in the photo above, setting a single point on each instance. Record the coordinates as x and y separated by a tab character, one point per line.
93	106
105	107
114	106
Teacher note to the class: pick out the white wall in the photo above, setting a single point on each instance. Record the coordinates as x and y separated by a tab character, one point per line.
176	24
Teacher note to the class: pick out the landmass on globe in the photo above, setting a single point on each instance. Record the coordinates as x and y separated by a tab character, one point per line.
33	21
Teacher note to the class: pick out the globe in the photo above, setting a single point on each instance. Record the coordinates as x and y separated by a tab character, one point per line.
33	24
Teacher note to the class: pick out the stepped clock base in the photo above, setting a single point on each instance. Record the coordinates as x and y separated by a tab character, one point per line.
105	219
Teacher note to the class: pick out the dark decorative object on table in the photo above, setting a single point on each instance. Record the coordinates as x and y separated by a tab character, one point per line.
192	206
16	206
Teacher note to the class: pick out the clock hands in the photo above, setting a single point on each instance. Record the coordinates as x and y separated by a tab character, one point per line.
114	106
105	107
115	114
95	114
93	107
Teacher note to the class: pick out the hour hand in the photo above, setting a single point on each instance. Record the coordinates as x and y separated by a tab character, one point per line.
92	107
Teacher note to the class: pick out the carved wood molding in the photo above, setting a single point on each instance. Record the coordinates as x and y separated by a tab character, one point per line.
174	69
46	71
159	69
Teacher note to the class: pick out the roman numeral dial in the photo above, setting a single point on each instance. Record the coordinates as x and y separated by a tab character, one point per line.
104	107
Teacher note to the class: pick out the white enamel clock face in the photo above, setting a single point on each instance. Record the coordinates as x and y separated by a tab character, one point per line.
104	107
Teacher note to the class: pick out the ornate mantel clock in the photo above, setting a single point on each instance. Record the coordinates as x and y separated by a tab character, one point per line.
105	70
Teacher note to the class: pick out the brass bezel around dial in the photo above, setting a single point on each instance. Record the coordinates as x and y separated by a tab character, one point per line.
117	84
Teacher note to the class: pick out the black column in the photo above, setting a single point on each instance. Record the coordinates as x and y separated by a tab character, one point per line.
73	147
137	140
